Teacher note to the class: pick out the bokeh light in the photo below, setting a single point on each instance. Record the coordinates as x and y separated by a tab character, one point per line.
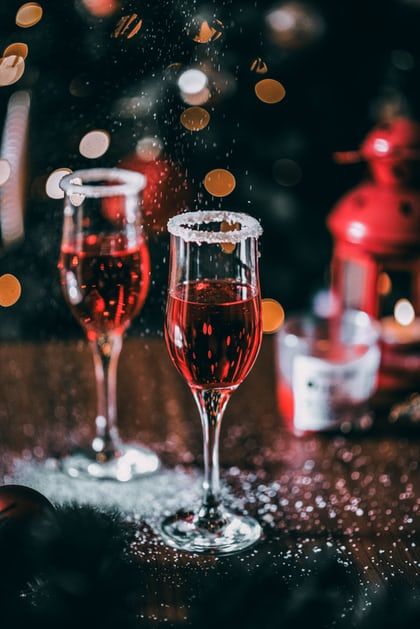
208	32
174	67
295	25
384	284
270	91
325	303
80	86
10	290
52	186
149	148
404	312
29	14
76	198
192	81
287	172
259	66
11	69
228	247
19	49
94	144
196	99
128	26
101	8
403	60
272	315
195	118
219	182
5	171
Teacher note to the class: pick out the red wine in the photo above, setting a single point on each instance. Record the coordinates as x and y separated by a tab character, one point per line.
105	282
213	331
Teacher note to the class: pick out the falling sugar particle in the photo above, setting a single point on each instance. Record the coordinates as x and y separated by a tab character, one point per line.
219	182
270	91
29	14
195	118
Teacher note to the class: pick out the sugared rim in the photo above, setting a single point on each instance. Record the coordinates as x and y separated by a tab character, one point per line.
128	182
181	226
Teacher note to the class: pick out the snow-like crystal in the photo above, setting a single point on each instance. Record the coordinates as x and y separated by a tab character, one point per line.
120	182
182	226
149	498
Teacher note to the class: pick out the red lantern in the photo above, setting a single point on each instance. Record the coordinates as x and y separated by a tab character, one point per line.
376	261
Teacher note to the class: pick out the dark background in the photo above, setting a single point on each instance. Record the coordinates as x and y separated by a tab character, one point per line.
356	63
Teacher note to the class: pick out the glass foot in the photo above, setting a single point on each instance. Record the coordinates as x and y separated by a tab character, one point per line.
132	461
183	531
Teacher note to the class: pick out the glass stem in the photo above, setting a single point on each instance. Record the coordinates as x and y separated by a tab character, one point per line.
106	351
211	404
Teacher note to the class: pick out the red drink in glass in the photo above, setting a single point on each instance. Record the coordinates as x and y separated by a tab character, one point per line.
105	281
213	331
105	274
213	334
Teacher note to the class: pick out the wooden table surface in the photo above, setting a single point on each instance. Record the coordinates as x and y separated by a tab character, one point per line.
358	496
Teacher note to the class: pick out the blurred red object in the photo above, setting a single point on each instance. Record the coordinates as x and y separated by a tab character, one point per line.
101	8
376	230
167	190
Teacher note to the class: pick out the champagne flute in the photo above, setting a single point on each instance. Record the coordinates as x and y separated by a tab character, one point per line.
213	333
105	274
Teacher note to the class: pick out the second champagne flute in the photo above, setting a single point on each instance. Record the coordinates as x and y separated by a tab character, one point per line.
213	332
105	274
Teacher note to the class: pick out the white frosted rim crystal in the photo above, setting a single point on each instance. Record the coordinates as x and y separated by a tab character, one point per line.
181	226
124	182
